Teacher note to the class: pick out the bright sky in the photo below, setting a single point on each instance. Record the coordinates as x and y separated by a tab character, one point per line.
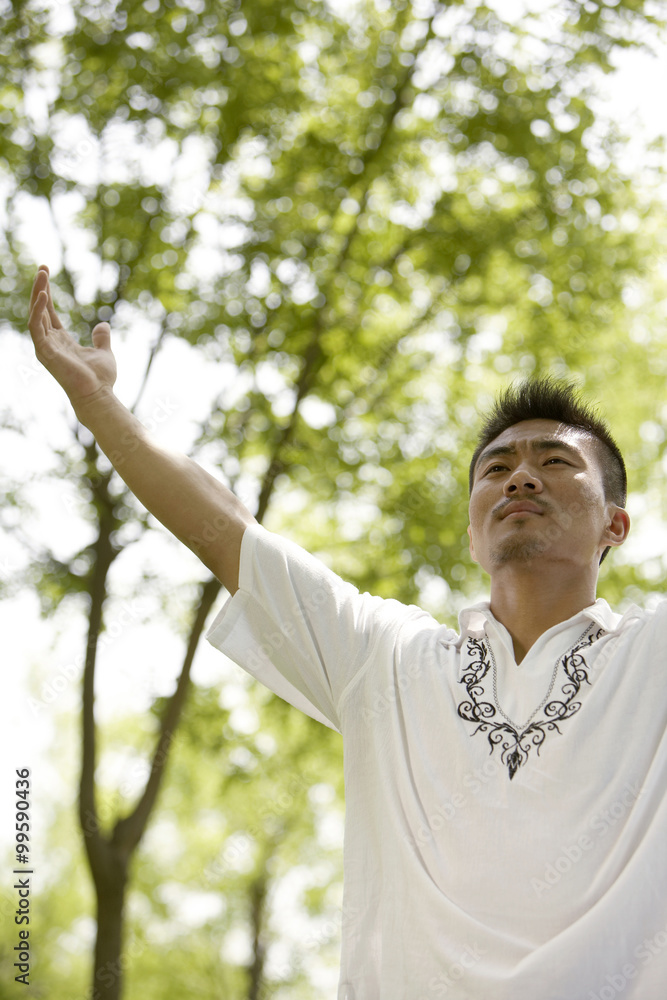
42	668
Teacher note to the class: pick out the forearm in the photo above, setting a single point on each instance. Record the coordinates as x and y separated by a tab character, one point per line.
194	506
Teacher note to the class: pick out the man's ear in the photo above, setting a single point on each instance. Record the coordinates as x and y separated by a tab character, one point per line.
618	525
472	547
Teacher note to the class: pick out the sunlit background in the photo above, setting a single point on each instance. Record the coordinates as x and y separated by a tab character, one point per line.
43	656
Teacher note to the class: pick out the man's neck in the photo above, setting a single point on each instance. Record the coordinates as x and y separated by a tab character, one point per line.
528	602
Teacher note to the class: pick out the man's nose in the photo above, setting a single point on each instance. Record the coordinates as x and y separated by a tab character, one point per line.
522	478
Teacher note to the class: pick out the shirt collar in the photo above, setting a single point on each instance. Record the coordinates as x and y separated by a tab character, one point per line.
475	620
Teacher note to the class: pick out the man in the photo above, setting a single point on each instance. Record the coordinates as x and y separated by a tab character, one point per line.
505	785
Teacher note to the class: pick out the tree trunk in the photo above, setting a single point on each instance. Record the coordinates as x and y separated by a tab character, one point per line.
108	964
258	891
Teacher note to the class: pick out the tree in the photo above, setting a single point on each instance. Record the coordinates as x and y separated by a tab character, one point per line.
393	209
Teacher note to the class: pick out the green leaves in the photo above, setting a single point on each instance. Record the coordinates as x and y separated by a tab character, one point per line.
360	223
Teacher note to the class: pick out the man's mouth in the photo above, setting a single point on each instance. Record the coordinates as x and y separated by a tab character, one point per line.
521	507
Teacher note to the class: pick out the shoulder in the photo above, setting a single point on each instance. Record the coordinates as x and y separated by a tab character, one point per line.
637	623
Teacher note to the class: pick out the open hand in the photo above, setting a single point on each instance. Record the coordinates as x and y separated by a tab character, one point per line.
83	372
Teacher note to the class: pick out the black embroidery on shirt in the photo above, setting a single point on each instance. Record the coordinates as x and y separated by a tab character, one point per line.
516	745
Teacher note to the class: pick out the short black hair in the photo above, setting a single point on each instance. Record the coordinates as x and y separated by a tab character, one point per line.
548	398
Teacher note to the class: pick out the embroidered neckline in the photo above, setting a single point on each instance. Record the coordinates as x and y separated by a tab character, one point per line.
515	725
517	741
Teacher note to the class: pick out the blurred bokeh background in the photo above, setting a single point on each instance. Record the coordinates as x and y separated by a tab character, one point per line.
324	233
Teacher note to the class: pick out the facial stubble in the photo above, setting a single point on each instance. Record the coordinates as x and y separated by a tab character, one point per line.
517	550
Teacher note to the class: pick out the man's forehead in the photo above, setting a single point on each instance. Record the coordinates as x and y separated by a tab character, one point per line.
529	430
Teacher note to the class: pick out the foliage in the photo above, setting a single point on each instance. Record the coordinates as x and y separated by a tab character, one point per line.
368	218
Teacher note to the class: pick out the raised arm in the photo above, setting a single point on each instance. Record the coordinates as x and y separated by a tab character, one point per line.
194	506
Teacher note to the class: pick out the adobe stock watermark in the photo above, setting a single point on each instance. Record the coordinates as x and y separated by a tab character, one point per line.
161	410
598	827
473	782
110	972
450	979
345	916
131	613
213	530
240	844
435	485
131	787
645	953
328	931
384	699
564	519
29	368
259	656
10	568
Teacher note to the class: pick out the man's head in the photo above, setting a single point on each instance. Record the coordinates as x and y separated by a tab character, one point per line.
542	447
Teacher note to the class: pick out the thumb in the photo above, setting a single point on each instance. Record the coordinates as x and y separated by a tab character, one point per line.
102	336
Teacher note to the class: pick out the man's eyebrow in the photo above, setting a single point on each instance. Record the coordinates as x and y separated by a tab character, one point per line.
543	444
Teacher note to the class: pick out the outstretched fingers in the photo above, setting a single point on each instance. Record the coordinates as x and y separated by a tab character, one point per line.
53	315
102	336
37	321
42	284
38	285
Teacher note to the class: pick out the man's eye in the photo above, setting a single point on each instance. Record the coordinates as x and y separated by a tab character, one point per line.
555	460
493	468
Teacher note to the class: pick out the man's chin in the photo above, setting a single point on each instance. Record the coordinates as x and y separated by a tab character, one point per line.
517	550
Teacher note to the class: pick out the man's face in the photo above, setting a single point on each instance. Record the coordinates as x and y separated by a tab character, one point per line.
553	472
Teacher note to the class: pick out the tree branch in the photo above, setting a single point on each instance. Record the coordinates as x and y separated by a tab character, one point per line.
129	831
105	553
258	892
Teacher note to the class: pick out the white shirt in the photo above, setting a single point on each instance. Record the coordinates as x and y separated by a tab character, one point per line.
507	845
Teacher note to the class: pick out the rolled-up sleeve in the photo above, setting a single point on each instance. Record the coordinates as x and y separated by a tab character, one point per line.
296	626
